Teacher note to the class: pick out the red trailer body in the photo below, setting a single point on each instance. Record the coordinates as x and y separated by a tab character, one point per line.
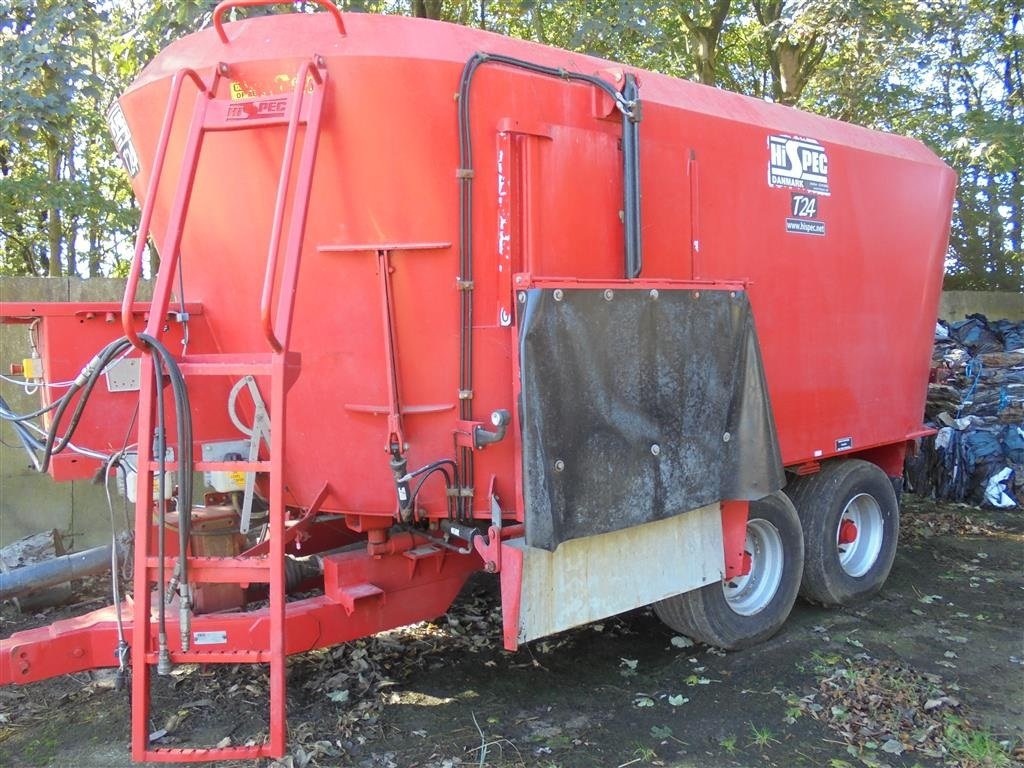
836	234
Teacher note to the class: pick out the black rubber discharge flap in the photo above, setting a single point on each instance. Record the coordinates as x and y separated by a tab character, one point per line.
638	405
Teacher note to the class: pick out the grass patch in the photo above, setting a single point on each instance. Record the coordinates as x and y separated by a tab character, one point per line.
890	709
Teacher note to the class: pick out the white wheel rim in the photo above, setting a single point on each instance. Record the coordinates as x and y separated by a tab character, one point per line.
858	556
752	592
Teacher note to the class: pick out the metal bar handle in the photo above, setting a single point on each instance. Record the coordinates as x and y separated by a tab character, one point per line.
218	13
132	286
309	68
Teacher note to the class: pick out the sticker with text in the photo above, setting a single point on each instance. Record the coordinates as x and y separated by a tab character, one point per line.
797	163
803	218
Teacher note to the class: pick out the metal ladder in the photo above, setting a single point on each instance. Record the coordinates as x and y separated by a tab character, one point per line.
280	366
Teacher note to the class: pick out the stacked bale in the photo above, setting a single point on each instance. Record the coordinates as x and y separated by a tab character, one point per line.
976	402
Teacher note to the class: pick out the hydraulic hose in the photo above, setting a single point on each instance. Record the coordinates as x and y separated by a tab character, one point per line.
184	425
163	664
628	103
85	381
82	387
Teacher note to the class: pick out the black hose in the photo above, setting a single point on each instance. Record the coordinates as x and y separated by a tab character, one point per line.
442	471
83	386
183	414
628	105
427	471
8	415
159	446
30	441
93	371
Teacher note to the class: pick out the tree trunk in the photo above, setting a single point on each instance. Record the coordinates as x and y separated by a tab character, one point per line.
538	24
154	260
54	231
94	251
706	42
792	62
71	230
706	36
427	9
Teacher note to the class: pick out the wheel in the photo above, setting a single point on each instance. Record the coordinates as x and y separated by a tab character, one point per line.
747	609
851	520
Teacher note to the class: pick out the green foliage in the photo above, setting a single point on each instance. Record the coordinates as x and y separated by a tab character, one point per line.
947	72
62	195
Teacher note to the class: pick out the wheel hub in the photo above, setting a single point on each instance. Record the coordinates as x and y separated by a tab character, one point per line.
847	531
763	562
859	535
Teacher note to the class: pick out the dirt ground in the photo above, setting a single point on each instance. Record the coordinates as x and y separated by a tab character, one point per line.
929	673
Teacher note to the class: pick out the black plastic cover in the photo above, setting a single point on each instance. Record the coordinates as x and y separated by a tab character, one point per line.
638	405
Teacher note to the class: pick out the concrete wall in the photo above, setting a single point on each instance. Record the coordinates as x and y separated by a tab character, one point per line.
995	305
30	502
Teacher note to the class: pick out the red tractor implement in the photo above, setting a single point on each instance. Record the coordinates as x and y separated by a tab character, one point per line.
432	301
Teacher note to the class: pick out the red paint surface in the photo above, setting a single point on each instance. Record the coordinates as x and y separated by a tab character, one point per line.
845	320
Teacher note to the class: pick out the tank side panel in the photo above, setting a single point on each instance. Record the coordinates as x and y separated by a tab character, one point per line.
844	319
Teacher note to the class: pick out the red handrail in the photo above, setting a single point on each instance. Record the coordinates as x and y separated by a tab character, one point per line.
132	286
218	12
266	300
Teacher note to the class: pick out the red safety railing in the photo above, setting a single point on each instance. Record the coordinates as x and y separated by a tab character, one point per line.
218	13
148	205
273	336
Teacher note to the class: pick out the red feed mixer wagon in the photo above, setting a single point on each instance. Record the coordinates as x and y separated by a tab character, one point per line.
432	301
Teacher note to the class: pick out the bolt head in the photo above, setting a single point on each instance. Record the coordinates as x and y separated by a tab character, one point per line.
726	437
522	297
559	294
609	294
559	465
654	293
655	450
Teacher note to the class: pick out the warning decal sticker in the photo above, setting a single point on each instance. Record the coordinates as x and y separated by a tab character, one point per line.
797	163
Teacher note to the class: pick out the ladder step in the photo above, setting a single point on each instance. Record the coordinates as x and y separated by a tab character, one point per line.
348	595
198	754
234	363
217	570
257	364
279	369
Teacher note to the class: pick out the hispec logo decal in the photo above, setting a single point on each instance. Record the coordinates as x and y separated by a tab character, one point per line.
797	163
123	139
258	110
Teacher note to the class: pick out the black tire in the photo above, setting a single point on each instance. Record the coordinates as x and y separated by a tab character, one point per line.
706	615
821	500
